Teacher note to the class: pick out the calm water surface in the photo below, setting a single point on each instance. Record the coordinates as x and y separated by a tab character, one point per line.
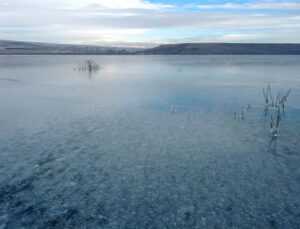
148	142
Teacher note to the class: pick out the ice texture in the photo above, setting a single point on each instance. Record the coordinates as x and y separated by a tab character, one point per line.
147	142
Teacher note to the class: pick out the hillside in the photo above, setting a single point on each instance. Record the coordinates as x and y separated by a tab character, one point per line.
19	47
225	49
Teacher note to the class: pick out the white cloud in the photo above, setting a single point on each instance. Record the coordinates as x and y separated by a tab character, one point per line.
136	21
268	5
73	4
129	4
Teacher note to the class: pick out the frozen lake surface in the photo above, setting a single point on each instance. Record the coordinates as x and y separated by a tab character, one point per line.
105	150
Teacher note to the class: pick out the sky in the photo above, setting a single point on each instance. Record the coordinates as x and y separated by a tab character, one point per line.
147	23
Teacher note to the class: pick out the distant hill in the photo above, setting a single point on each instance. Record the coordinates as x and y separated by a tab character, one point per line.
224	49
19	47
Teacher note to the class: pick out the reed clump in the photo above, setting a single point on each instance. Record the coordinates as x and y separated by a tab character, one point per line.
240	116
280	99
278	104
89	66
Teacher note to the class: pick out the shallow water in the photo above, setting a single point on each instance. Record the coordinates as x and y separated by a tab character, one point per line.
105	149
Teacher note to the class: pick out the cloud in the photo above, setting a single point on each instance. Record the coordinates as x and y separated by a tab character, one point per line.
129	4
268	5
136	21
75	4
